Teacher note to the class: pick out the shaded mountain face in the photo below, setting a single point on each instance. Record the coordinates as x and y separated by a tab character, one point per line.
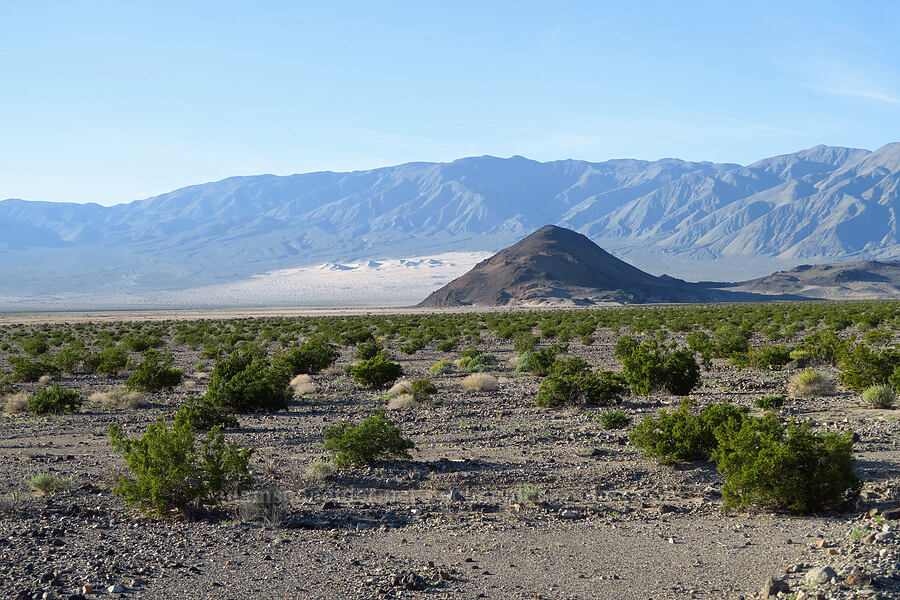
694	219
560	266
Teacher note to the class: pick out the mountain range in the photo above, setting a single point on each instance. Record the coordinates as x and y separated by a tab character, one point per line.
698	220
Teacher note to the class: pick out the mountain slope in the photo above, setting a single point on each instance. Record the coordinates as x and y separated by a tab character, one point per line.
559	266
699	220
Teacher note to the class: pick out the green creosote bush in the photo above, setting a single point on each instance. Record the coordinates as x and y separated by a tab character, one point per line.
423	389
34	347
880	396
861	367
376	372
28	370
447	345
412	346
765	357
481	363
790	468
614	419
69	358
442	367
368	349
172	472
375	438
54	400
529	493
316	354
245	382
154	374
770	402
571	382
681	436
108	361
525	342
648	367
203	415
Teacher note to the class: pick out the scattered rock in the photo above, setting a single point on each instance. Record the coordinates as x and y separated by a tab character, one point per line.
454	496
115	589
820	575
891	514
568	513
858	577
772	586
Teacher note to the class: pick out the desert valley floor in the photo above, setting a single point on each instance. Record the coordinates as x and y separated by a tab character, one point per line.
450	522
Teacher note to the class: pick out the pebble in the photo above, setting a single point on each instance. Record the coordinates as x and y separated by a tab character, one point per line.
820	575
772	587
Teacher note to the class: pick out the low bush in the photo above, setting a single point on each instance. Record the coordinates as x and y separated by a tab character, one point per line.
765	357
154	374
442	367
368	350
880	396
809	383
376	438
318	471
54	400
302	385
525	342
680	436
47	484
402	402
202	414
108	361
770	402
481	363
315	355
28	370
862	367
172	472
792	468
422	389
69	358
246	383
447	345
614	419
529	493
376	372
412	346
15	403
480	382
648	367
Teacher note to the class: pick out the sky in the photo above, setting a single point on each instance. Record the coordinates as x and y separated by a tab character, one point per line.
116	101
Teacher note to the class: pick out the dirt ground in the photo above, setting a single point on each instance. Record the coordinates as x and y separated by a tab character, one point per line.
448	523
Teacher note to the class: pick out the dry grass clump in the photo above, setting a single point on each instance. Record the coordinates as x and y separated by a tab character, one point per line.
400	388
15	403
333	371
809	384
303	384
880	396
45	380
118	399
480	382
318	471
402	402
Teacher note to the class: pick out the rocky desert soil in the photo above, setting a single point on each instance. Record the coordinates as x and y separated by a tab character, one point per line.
449	523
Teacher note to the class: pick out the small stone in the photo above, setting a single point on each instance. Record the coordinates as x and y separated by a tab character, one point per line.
869	539
820	575
667	508
772	587
820	543
87	588
115	589
858	577
568	513
454	496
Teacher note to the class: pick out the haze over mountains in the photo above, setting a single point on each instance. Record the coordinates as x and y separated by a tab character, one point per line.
692	220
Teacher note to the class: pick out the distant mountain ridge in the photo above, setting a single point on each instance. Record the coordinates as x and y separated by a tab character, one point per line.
694	219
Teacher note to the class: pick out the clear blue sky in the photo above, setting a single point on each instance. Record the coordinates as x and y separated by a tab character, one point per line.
116	101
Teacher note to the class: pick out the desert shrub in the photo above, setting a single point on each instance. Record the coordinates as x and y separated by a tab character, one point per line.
154	374
469	352
648	367
525	342
680	436
879	396
481	363
376	438
47	484
700	343
245	383
539	362
614	419
603	387
793	468
571	382
15	403
368	349
302	385
54	400
68	359
316	354
765	357
770	402
861	367
141	342
480	382
730	341
412	346
402	402
318	471
401	387
447	345
825	345
34	347
172	472
376	372
118	399
529	493
108	361
809	383
202	414
442	367
26	369
423	389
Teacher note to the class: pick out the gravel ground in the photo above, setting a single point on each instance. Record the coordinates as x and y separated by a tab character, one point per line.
608	523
